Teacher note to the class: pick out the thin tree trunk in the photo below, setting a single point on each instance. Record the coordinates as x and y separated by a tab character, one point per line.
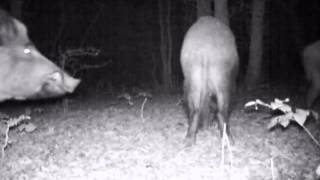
297	35
256	44
221	10
296	25
162	38
165	45
169	46
283	45
204	8
61	20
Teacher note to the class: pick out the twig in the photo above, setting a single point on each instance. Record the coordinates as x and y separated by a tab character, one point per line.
5	141
222	150
90	51
142	107
96	66
226	141
312	137
272	169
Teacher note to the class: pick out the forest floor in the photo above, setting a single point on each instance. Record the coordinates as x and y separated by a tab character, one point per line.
104	138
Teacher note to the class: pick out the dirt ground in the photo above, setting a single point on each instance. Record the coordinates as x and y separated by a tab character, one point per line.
104	138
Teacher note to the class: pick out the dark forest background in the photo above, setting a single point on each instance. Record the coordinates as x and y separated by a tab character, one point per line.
128	34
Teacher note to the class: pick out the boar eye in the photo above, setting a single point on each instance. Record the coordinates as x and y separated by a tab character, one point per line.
26	50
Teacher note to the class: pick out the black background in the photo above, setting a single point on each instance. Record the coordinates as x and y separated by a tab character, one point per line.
127	31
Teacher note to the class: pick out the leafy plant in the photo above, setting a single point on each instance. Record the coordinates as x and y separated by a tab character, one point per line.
129	99
9	122
288	114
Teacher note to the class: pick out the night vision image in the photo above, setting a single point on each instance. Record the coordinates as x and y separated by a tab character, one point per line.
160	90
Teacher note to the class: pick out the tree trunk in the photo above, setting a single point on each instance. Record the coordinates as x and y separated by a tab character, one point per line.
296	25
59	34
204	8
16	8
253	75
283	53
169	75
166	44
221	10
